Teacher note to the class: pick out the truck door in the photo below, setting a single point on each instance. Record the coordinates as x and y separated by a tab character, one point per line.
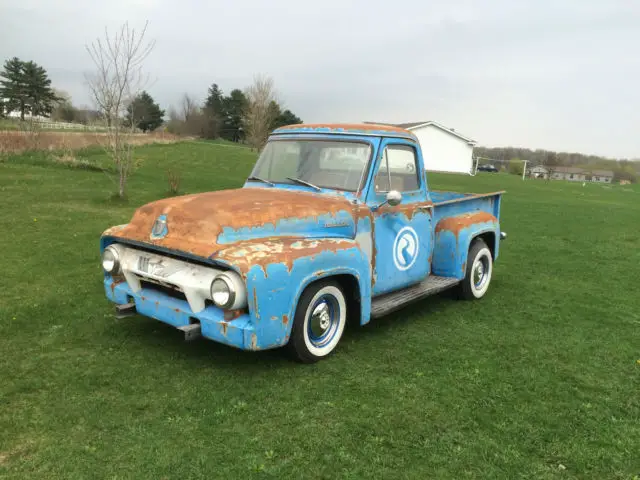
403	233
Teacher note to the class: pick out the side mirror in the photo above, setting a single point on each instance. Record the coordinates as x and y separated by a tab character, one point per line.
394	198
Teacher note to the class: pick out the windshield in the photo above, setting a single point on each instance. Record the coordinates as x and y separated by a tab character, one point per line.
324	163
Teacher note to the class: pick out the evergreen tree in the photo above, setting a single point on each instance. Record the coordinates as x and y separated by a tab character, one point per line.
286	118
26	88
39	94
144	113
12	86
213	111
233	107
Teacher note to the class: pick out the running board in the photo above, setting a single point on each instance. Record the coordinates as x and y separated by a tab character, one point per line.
390	302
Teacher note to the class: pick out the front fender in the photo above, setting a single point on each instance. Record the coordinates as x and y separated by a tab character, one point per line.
453	236
278	270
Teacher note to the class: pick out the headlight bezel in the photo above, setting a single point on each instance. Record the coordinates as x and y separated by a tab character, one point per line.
236	288
113	250
222	278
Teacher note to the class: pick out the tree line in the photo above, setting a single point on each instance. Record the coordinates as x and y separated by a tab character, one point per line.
232	116
25	87
623	169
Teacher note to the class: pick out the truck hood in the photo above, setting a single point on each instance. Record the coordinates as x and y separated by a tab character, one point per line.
204	223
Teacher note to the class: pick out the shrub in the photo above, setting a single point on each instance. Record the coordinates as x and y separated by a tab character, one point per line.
516	167
173	178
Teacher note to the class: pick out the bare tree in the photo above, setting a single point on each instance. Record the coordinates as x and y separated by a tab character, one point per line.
188	107
259	113
118	79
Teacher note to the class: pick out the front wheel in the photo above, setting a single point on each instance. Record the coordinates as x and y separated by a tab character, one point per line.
478	273
319	321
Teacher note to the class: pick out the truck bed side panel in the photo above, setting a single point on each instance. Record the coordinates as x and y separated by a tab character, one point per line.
456	225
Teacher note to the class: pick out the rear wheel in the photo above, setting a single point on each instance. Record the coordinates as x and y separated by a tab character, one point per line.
319	322
479	270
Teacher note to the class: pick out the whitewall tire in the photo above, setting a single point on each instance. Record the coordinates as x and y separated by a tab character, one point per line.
479	271
319	322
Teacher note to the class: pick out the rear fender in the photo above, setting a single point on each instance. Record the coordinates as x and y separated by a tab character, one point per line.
453	237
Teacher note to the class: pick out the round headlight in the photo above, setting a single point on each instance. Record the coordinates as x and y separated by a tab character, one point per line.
222	292
110	260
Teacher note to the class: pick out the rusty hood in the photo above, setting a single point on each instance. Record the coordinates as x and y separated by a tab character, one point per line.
204	223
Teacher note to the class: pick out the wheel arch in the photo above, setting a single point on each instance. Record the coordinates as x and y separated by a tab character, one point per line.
351	283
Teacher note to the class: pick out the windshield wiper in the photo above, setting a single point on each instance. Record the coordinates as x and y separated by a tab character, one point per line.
261	180
302	182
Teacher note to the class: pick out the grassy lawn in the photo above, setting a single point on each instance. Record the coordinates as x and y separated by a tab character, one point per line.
540	379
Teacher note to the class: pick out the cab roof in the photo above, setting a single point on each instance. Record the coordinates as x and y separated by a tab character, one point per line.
347	129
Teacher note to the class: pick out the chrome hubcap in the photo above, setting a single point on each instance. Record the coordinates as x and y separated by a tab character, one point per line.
480	273
320	319
324	321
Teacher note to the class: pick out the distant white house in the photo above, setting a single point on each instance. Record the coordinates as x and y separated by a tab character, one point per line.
16	113
572	174
539	172
444	149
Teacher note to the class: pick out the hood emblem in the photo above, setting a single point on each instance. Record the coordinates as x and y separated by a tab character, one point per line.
159	229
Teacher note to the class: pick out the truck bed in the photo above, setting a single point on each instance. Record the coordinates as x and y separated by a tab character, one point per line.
448	204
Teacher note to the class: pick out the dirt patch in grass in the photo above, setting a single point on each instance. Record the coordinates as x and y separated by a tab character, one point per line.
16	142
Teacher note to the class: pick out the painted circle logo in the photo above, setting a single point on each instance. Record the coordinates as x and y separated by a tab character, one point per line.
405	248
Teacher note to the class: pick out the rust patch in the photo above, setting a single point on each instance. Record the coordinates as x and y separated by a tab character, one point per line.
231	315
285	319
196	221
320	273
460	222
365	127
408	209
223	328
177	310
360	214
115	283
284	250
255	303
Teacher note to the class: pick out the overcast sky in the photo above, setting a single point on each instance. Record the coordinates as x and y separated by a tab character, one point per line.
555	74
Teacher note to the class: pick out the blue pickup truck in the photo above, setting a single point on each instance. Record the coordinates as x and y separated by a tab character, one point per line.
335	223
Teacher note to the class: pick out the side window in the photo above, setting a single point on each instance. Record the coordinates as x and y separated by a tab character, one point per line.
398	170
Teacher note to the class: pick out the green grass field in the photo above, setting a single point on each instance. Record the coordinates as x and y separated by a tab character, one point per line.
540	379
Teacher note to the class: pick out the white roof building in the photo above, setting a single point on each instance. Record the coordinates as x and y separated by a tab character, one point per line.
444	149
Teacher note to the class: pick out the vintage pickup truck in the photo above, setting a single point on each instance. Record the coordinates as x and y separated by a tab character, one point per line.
335	222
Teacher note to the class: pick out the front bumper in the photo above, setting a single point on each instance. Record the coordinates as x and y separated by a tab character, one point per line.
235	330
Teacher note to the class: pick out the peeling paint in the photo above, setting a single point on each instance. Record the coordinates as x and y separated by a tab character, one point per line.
354	128
406	209
285	251
201	224
460	222
232	314
256	312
